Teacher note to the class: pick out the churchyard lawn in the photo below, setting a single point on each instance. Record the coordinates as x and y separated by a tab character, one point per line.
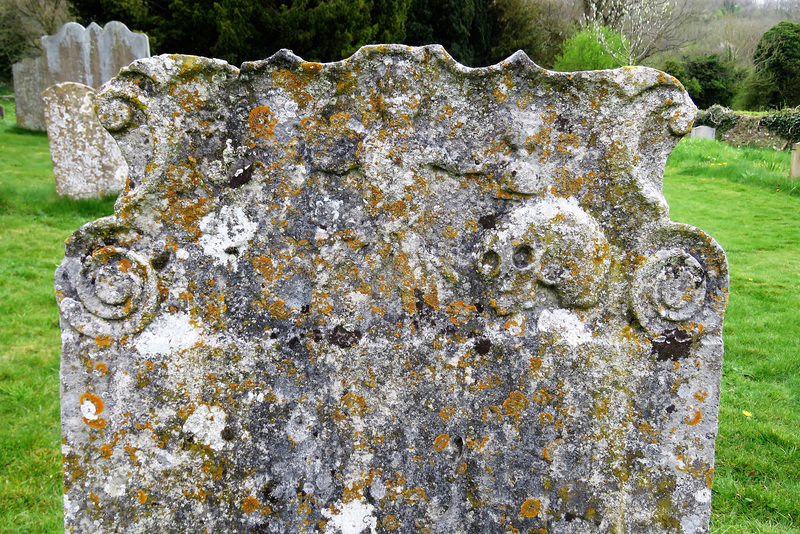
754	213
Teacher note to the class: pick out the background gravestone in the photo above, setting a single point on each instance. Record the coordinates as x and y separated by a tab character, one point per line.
90	56
390	294
87	162
93	55
29	82
703	132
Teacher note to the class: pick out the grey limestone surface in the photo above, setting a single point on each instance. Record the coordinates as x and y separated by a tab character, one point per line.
390	294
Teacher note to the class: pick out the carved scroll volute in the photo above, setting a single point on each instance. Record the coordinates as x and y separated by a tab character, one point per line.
104	286
681	285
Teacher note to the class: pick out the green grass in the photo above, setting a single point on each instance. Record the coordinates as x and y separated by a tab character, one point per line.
33	225
754	213
747	205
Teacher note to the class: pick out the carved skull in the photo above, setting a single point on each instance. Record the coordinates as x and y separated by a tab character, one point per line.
551	243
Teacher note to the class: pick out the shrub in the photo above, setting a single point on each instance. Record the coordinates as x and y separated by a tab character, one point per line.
719	117
589	50
785	123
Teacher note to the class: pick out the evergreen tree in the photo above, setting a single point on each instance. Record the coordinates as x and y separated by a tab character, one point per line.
463	27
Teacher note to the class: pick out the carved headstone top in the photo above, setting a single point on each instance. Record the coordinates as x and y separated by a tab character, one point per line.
91	55
87	162
390	294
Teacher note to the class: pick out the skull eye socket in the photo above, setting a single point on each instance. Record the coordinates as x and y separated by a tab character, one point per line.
490	263
523	257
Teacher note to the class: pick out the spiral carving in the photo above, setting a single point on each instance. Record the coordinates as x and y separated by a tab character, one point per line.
669	287
116	292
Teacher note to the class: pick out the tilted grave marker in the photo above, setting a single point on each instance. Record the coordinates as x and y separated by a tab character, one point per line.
29	82
390	294
87	162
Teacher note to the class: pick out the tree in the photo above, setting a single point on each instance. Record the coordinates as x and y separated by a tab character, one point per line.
709	79
777	62
240	30
463	27
539	27
590	49
22	24
649	26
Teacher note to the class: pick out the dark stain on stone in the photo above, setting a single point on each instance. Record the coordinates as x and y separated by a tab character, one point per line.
459	443
294	344
478	308
160	260
488	222
241	177
305	309
670	408
672	345
227	434
343	337
234	251
483	346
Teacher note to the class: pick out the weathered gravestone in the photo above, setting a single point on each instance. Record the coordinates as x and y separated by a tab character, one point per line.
87	162
29	82
390	294
703	132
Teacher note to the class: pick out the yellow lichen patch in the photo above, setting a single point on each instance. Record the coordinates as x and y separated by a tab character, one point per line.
460	312
390	522
548	451
261	121
697	416
530	508
141	496
355	404
250	504
447	412
415	495
441	442
94	406
492	414
545	418
310	66
515	405
104	340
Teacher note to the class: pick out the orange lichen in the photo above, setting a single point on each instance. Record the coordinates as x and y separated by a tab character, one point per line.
447	412
104	340
515	404
441	442
697	416
492	413
530	508
141	496
261	121
250	504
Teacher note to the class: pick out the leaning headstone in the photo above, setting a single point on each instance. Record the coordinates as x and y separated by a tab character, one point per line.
794	171
2	113
87	162
93	55
29	82
390	294
703	132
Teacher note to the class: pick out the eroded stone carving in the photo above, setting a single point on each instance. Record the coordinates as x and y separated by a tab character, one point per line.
390	294
86	160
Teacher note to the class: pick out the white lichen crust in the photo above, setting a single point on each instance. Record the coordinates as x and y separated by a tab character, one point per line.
390	294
